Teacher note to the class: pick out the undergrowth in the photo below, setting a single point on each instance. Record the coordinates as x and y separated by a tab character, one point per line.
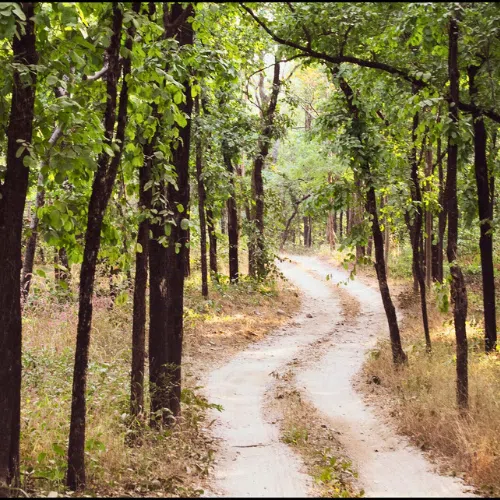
423	395
172	462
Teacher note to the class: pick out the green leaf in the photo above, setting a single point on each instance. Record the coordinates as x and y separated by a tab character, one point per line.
184	224
122	298
178	97
52	80
138	248
19	12
20	151
180	208
59	450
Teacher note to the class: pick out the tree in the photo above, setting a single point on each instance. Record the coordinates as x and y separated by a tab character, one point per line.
257	255
201	204
458	291
165	337
12	199
105	175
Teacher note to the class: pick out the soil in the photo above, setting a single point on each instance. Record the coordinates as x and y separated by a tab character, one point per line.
332	341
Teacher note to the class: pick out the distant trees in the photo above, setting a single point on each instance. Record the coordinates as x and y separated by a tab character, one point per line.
427	66
135	130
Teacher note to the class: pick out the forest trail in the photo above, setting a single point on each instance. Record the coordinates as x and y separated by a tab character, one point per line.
253	461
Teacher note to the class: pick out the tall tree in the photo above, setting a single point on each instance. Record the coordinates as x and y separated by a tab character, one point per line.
257	264
416	232
107	167
398	355
232	216
140	284
12	200
201	203
485	215
458	291
165	343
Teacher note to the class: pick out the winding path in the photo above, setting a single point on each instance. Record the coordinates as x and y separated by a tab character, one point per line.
253	462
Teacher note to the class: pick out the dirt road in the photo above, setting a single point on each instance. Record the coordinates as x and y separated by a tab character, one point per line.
253	461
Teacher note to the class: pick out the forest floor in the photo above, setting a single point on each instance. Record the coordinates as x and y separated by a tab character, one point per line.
122	461
420	401
295	387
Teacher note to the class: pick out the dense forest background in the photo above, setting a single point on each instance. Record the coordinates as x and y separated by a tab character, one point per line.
157	157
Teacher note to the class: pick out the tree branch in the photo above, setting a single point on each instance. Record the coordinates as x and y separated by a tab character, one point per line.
307	51
97	74
333	59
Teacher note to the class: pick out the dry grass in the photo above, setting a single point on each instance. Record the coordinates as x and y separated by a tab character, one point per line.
172	462
422	397
302	427
420	400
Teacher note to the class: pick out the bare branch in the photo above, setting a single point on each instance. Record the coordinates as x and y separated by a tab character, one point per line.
333	59
281	61
97	74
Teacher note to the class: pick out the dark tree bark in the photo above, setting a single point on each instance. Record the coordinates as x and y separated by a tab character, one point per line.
258	266
458	290
212	240
485	218
305	220
187	253
416	234
140	286
232	217
369	247
165	349
398	355
101	191
340	223
12	200
428	223
29	255
438	248
201	207
64	275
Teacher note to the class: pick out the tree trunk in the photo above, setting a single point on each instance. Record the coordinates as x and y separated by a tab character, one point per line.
458	291
398	355
223	221
439	269
101	191
64	275
306	230
165	363
416	234
485	218
212	240
387	240
330	232
428	224
259	267
12	200
232	217
140	286
201	207
340	223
